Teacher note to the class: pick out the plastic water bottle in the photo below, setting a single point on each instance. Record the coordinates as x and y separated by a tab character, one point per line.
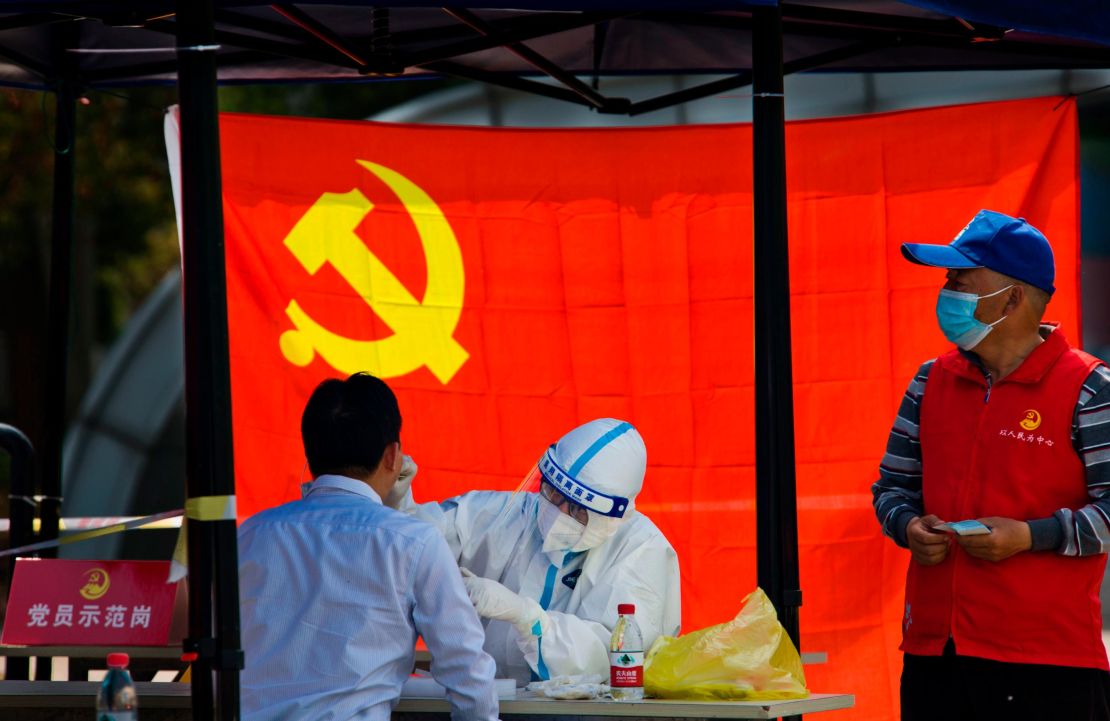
626	656
116	700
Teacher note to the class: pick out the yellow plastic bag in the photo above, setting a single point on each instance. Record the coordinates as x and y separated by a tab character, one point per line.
750	658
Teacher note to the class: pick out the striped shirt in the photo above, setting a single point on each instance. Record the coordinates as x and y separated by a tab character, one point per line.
333	590
1083	532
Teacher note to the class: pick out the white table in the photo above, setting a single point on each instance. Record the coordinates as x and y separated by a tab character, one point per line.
527	705
62	700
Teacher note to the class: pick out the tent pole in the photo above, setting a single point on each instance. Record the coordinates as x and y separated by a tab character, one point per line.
21	515
776	505
56	378
213	553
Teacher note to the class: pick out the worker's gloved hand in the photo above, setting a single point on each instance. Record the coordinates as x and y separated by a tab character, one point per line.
404	483
493	600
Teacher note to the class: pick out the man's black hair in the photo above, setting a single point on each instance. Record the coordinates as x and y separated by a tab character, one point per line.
346	425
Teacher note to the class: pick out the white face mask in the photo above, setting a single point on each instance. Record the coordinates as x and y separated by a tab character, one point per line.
598	531
559	530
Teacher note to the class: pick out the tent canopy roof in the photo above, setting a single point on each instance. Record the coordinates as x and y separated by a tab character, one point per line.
106	44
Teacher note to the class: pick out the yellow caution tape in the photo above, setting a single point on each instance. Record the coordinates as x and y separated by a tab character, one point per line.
88	523
179	562
94	533
210	508
201	508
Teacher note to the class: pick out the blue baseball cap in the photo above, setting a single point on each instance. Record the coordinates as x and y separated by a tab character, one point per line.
1009	246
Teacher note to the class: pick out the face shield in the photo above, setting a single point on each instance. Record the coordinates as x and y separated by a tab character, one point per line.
576	511
595	469
575	490
595	515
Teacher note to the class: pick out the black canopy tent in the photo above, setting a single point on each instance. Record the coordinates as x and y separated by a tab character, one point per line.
65	46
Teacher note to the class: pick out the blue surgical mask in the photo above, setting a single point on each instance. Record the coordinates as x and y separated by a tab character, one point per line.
956	316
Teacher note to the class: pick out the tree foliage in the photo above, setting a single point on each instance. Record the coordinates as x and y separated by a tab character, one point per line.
125	238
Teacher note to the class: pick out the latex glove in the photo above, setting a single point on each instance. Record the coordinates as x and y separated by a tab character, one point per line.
404	483
493	600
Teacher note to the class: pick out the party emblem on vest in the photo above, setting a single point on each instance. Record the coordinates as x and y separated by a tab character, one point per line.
1031	421
96	584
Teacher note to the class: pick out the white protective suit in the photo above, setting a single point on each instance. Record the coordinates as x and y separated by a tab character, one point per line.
569	598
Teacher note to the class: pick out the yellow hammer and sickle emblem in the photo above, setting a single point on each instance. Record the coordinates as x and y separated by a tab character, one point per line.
96	584
1032	420
422	330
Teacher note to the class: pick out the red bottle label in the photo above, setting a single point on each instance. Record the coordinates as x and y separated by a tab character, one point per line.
626	668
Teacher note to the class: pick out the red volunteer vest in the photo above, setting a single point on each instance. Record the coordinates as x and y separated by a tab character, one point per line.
1010	455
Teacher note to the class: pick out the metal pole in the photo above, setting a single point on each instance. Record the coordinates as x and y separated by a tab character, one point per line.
21	472
776	505
213	552
56	378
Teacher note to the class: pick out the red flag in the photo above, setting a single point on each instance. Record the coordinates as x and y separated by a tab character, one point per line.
511	284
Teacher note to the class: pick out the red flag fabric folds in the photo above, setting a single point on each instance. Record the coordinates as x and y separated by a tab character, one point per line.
511	284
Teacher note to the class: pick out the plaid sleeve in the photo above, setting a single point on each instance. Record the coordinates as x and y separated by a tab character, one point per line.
897	494
1086	532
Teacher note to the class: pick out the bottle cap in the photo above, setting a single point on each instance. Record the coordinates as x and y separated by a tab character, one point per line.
118	660
626	609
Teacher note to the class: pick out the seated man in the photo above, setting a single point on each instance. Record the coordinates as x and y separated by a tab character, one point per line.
335	587
547	572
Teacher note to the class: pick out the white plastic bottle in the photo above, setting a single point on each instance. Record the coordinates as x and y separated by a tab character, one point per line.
116	700
626	656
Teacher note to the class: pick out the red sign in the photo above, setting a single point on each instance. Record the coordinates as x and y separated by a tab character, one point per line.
89	603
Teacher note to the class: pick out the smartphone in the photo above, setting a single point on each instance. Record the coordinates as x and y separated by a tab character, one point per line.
963	528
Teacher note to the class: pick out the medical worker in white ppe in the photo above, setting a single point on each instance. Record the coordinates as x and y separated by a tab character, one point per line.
546	570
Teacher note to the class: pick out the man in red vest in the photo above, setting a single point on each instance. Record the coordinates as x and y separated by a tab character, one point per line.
997	479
